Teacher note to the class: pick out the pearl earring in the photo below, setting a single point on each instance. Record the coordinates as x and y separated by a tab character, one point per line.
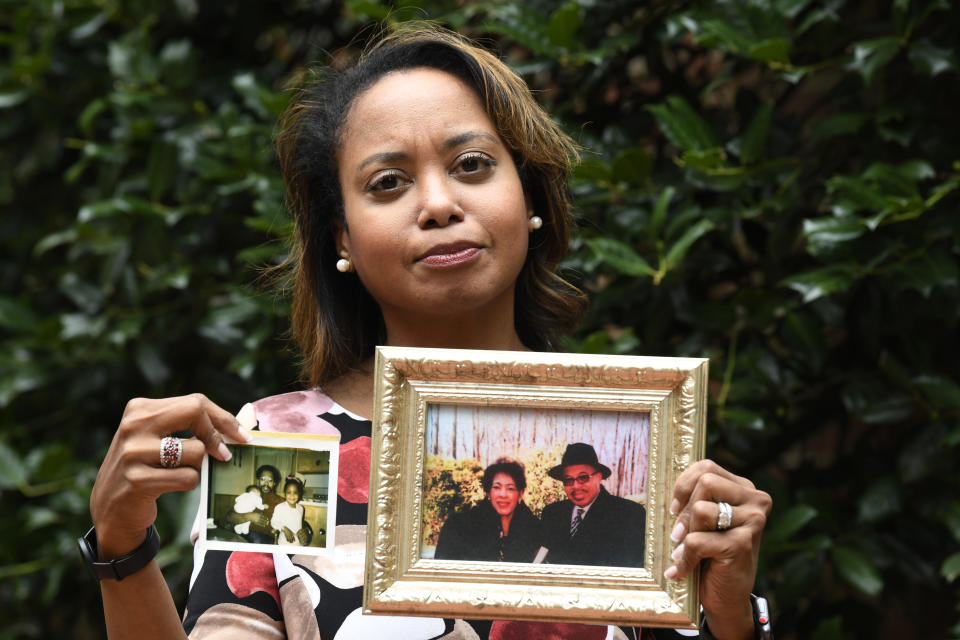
534	223
344	265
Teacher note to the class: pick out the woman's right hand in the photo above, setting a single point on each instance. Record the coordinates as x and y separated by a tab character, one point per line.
123	502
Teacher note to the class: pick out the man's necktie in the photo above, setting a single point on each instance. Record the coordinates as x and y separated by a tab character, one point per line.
577	519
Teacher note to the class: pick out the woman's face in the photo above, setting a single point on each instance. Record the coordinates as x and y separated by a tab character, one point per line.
291	494
504	495
436	215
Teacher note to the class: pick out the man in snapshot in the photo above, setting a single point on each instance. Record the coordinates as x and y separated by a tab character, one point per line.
267	477
591	527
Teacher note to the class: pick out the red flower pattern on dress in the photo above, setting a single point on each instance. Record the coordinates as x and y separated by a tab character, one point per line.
354	472
248	573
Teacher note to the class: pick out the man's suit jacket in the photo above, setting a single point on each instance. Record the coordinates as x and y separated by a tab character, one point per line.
611	534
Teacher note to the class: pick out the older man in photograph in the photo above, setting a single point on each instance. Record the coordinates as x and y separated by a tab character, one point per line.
266	478
592	526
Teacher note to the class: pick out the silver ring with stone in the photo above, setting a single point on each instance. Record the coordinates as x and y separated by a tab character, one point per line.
724	516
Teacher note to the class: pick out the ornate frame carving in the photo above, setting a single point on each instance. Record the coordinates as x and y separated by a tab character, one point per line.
399	582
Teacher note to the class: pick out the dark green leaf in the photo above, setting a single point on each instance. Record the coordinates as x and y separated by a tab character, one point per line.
680	247
563	25
524	25
161	165
739	418
916	170
950	570
660	211
13	473
16	315
369	9
951	518
891	180
632	166
855	194
931	59
620	256
815	284
830	629
784	526
805	335
755	137
840	124
888	410
928	270
941	390
880	500
870	56
772	50
705	160
857	569
90	27
825	233
914	462
593	170
683	126
151	365
10	99
727	33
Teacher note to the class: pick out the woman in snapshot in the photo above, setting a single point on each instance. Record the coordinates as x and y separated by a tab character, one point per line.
429	192
501	528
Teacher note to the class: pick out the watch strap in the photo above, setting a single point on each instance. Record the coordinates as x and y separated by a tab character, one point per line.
126	565
762	629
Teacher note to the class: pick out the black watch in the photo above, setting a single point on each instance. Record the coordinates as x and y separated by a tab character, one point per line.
126	565
761	621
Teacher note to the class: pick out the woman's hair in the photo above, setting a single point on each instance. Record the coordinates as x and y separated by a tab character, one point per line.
293	480
336	322
508	466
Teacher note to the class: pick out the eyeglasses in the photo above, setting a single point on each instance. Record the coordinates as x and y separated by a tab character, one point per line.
581	479
267	479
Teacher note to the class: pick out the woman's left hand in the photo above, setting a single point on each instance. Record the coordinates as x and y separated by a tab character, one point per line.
728	557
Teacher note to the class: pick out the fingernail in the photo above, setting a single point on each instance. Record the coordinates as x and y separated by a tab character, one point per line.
677	553
671	573
677	534
225	454
244	434
674	507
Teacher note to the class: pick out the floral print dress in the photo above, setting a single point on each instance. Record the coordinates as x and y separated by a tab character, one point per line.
237	594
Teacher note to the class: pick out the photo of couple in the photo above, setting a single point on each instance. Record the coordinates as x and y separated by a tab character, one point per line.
574	510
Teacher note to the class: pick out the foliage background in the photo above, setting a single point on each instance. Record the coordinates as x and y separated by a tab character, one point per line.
768	183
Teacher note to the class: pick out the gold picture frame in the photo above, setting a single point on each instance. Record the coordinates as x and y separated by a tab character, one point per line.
413	383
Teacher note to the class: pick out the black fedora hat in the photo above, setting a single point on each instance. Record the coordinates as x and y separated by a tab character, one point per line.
579	453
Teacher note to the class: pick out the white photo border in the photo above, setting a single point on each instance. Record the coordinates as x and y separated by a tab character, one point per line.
279	440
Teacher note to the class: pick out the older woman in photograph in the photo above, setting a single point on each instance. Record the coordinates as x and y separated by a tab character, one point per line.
500	527
430	196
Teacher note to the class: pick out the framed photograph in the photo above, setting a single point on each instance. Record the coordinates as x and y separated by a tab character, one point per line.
530	486
277	493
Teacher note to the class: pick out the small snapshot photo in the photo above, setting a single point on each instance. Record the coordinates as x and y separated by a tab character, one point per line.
277	494
540	485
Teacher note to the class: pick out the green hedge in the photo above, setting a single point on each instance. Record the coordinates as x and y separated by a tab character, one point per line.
770	184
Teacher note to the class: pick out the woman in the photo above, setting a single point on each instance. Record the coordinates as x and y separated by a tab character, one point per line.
501	528
429	191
